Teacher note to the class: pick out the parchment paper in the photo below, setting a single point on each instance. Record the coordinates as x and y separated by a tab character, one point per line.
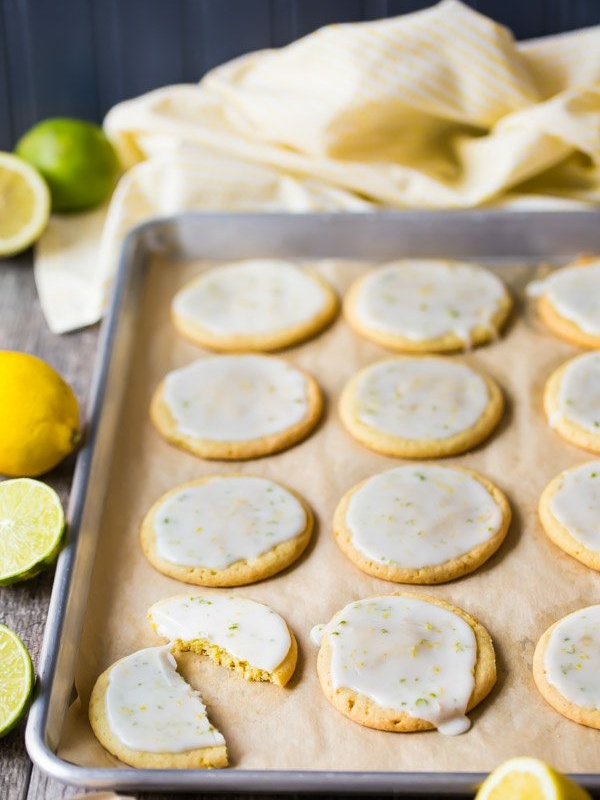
517	594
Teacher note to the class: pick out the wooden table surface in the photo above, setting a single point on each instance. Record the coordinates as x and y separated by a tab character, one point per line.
24	606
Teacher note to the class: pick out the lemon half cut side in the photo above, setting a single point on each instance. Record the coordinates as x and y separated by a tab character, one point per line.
525	778
24	205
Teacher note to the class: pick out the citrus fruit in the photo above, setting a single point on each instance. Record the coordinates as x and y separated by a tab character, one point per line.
527	778
16	679
76	159
39	416
32	522
24	204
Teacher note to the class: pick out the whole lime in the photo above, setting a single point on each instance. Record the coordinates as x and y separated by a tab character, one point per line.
76	159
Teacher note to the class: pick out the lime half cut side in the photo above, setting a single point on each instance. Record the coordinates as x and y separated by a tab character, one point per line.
32	522
16	679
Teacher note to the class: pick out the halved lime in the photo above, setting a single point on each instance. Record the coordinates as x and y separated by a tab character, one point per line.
16	679
32	522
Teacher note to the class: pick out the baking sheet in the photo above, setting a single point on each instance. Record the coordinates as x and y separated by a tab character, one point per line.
517	594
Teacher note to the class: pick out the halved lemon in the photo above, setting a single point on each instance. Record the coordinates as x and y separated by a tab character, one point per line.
16	679
24	205
525	778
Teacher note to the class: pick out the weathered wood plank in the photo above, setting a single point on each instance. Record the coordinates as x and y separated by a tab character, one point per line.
24	606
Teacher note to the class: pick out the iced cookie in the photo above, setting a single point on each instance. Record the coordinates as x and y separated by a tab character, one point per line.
570	512
568	301
572	401
142	711
425	524
420	407
241	634
427	306
405	662
226	530
262	304
236	407
566	666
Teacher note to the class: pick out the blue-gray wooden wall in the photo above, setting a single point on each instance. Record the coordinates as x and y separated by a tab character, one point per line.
79	57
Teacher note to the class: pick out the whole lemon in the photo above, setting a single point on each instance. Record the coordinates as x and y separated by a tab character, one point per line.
76	159
39	416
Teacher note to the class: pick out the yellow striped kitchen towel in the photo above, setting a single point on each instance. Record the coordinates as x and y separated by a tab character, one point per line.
436	109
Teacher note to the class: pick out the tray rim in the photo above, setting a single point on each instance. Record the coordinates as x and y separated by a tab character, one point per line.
140	242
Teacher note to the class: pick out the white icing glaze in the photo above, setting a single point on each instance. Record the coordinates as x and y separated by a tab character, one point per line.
316	634
225	520
259	296
536	288
422	516
575	294
554	417
576	503
151	708
572	657
249	631
405	654
420	398
236	398
421	300
579	393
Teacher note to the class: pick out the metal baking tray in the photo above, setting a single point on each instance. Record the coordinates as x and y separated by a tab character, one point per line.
483	235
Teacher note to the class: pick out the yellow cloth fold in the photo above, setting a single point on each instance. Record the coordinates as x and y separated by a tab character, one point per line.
436	109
